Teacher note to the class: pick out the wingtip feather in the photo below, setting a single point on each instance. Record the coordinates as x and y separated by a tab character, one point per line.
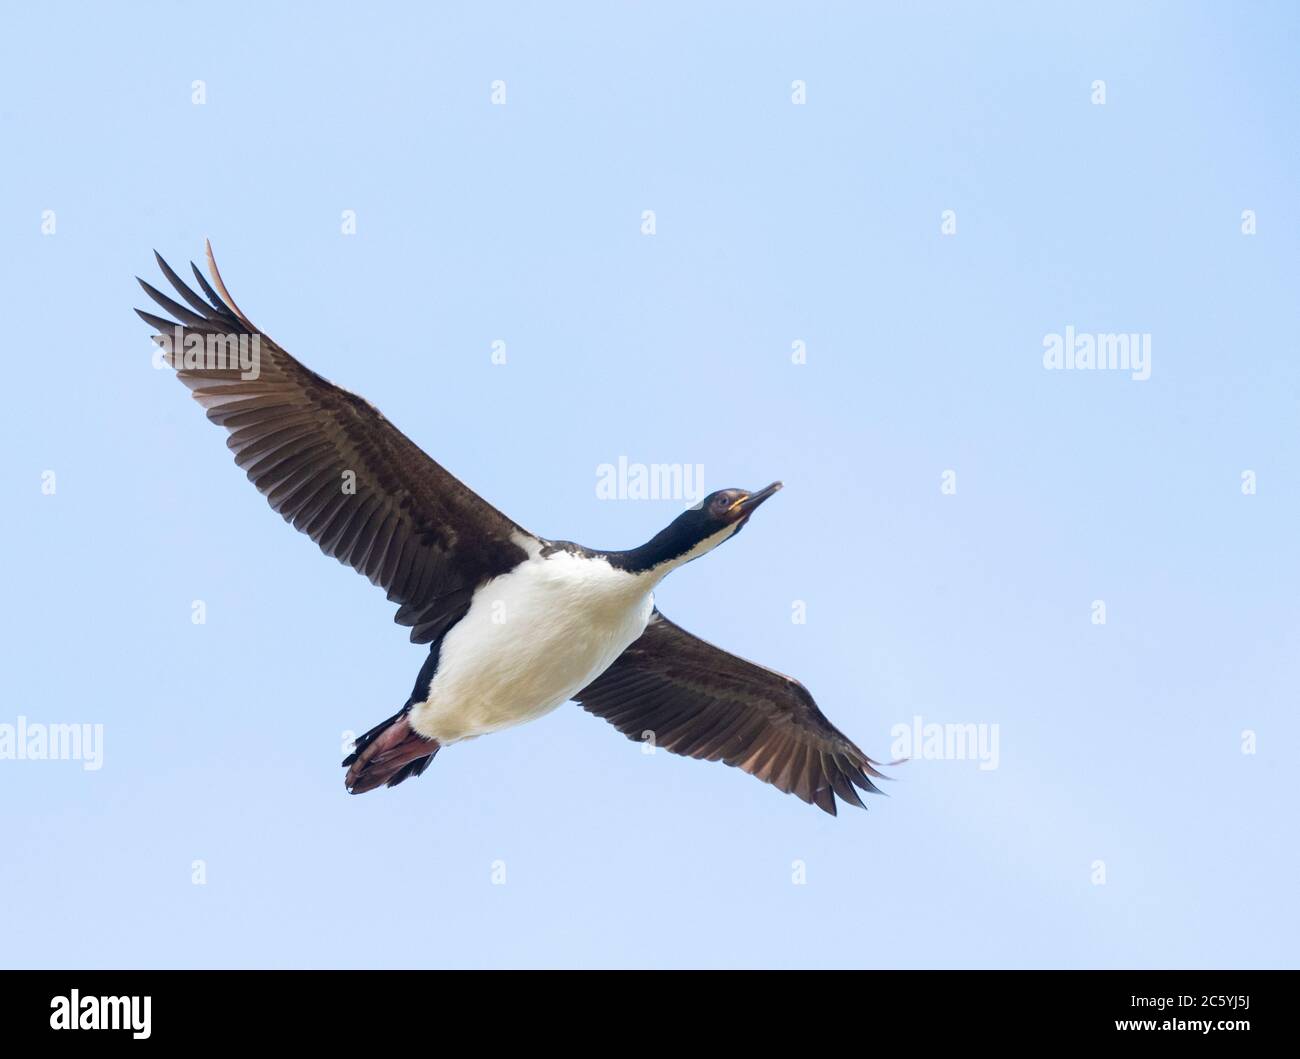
221	286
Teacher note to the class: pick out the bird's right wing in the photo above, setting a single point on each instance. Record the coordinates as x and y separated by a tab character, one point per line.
329	463
700	701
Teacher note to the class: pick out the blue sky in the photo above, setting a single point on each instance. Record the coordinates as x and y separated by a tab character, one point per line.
1142	807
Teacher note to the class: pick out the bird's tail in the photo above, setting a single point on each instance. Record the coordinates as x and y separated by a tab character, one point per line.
387	754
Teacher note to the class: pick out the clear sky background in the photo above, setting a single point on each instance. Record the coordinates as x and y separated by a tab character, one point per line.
1121	747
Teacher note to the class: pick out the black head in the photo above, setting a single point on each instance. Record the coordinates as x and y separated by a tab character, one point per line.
700	529
726	507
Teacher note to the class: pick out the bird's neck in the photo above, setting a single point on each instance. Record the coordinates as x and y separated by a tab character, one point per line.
666	551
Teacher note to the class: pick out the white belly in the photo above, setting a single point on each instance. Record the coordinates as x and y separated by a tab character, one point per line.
531	639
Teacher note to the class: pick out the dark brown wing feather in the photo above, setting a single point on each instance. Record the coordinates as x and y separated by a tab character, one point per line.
702	702
399	518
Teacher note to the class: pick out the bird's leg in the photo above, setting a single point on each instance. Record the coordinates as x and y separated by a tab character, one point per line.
388	754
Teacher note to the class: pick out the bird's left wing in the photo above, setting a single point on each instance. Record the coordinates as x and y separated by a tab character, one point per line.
329	463
698	700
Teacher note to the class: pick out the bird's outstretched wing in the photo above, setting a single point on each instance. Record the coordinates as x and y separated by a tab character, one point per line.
698	700
328	462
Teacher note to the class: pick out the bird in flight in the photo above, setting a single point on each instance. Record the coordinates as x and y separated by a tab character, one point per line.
515	624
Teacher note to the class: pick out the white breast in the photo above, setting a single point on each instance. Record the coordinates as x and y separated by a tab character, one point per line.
531	639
